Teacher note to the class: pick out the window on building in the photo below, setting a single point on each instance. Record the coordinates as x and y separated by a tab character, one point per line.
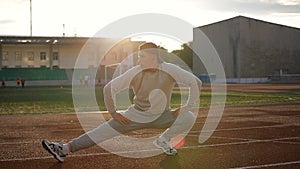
30	56
18	55
4	55
55	55
43	55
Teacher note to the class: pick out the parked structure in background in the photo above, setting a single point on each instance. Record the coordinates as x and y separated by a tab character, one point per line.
52	59
252	50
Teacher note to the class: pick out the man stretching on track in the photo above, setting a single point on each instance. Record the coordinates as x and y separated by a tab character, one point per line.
152	81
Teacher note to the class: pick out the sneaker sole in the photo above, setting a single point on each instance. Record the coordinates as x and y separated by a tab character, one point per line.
170	154
46	147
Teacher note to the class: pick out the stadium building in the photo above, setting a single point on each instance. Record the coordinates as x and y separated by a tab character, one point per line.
51	60
252	50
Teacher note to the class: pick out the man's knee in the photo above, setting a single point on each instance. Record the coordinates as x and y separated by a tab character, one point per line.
116	125
124	128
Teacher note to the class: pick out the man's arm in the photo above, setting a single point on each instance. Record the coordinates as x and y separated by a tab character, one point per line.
188	79
109	100
112	88
193	100
109	103
194	92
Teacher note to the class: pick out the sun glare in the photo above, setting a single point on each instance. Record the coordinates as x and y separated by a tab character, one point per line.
166	42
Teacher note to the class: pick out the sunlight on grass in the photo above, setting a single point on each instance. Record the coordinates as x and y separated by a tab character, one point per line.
59	100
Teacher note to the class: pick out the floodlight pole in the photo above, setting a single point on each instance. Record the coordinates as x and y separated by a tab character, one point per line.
30	18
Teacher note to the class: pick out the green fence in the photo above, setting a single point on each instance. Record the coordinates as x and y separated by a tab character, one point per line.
11	74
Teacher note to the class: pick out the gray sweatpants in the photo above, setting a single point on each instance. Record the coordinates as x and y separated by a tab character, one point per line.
182	124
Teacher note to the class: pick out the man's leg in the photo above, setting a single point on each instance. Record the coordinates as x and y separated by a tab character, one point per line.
182	125
104	132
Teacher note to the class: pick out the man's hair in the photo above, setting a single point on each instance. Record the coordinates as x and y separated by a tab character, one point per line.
148	45
153	48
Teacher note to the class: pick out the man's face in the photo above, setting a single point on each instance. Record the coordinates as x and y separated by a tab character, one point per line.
148	60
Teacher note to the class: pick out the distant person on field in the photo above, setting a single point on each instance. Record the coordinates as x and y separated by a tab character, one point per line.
86	80
3	82
81	81
18	82
145	79
23	82
99	81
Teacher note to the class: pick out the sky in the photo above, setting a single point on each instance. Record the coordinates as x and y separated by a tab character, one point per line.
86	17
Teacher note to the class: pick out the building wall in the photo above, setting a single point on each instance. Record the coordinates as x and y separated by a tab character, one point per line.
24	49
267	48
68	54
250	48
66	59
225	38
92	53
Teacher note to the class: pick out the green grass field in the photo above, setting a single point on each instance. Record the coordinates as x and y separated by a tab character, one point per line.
40	100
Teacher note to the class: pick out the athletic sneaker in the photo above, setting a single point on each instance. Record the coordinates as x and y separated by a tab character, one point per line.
56	149
166	147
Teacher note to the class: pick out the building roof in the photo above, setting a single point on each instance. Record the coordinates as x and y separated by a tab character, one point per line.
39	39
244	17
47	39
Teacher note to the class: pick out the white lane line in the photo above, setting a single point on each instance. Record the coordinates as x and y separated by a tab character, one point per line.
196	131
236	143
25	159
191	132
268	165
125	152
287	142
20	142
246	139
249	128
193	135
277	140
